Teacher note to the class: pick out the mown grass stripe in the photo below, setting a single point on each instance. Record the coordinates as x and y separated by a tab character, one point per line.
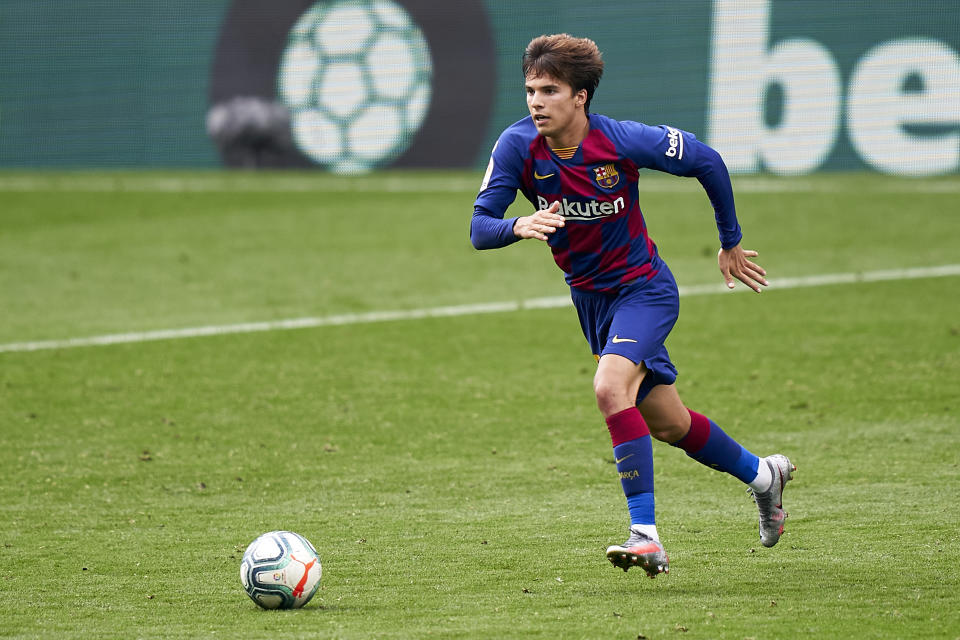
458	310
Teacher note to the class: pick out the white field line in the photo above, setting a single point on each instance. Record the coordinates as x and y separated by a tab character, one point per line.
459	310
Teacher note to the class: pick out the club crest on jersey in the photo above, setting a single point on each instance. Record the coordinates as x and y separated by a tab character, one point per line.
606	176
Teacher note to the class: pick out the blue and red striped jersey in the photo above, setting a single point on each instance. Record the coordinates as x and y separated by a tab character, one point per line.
604	243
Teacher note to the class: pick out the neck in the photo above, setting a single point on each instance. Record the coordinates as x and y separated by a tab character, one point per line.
572	136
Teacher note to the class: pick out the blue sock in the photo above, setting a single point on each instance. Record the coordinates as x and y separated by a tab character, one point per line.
635	466
633	454
709	445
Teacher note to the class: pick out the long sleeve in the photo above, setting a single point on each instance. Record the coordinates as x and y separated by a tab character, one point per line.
715	179
488	231
680	153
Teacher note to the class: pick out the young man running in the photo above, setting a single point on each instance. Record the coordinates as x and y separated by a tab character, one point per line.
580	171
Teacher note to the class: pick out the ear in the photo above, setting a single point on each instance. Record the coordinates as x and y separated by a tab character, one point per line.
581	98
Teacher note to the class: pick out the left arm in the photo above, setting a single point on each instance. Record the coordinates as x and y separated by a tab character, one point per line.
732	258
712	173
680	153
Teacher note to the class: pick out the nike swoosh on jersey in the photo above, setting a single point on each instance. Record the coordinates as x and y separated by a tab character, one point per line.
540	177
619	460
618	340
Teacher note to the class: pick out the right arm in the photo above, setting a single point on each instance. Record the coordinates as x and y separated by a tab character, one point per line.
491	232
540	224
488	228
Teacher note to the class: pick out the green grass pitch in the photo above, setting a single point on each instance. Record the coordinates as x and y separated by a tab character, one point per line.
454	473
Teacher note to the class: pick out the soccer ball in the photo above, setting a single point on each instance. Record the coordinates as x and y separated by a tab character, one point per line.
280	570
356	76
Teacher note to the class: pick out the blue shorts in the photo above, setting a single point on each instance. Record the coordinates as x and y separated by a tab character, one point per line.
634	323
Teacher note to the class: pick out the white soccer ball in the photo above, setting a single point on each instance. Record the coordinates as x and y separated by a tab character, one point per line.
356	76
280	570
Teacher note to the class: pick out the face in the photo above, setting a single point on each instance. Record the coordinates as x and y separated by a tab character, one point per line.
557	111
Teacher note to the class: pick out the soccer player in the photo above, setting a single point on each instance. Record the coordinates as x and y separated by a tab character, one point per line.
580	171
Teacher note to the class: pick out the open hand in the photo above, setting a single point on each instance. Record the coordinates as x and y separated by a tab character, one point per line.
734	264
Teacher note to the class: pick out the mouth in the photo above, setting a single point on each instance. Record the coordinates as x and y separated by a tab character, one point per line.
540	119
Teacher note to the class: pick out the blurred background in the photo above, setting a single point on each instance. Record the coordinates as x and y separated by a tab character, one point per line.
347	86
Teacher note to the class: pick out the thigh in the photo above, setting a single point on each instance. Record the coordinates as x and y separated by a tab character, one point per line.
615	370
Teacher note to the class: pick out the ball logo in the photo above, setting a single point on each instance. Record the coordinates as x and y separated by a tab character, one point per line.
356	77
365	83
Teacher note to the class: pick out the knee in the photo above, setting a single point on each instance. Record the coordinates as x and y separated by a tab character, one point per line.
611	396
